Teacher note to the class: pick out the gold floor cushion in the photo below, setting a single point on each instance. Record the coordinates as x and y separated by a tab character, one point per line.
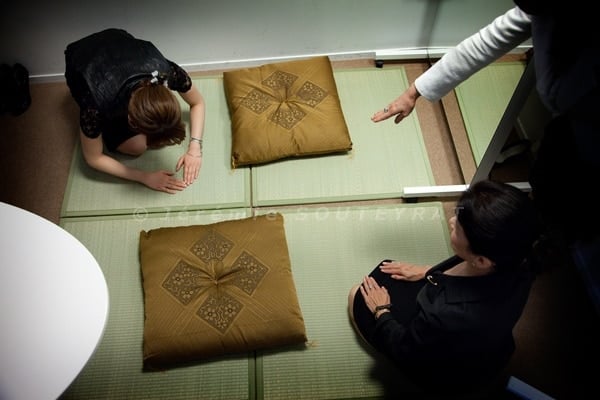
217	289
285	109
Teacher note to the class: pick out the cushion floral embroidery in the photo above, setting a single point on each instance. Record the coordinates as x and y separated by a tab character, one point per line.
285	109
216	289
288	113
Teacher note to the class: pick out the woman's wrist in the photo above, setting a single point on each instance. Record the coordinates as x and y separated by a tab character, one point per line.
381	309
195	147
379	313
413	92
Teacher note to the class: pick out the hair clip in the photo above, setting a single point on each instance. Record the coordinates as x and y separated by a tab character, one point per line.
154	77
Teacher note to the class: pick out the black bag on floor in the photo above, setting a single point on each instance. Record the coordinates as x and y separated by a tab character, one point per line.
15	97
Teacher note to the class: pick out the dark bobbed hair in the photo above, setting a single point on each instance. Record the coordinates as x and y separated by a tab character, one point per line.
154	110
499	222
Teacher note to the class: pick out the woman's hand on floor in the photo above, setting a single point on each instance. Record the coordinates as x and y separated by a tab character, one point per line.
163	181
191	164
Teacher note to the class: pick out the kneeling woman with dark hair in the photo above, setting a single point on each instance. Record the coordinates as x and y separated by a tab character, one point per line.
450	326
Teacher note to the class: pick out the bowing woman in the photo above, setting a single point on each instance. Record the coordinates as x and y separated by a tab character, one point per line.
124	88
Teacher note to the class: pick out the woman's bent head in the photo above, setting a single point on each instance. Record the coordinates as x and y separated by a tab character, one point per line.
499	222
154	111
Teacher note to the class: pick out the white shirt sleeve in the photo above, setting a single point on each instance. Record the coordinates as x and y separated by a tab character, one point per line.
475	52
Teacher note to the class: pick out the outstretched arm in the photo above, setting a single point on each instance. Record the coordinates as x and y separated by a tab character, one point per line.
191	161
472	54
163	181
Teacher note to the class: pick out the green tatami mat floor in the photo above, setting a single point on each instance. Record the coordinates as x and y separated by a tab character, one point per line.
218	186
331	249
385	158
115	370
483	99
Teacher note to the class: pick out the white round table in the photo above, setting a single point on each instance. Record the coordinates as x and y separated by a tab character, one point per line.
53	306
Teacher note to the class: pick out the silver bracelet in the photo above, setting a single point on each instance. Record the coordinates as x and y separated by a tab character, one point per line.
196	140
382	307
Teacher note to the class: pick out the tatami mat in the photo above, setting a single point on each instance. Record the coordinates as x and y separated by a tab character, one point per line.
483	99
385	157
115	370
90	192
331	249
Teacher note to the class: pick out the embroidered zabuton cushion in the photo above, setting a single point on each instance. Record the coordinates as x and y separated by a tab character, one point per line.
285	109
217	289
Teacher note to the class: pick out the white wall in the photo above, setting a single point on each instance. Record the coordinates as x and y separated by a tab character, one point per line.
201	34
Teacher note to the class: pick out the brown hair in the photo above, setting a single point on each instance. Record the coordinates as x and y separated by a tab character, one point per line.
154	111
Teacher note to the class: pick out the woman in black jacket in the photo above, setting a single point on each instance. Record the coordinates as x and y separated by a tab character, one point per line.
450	326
